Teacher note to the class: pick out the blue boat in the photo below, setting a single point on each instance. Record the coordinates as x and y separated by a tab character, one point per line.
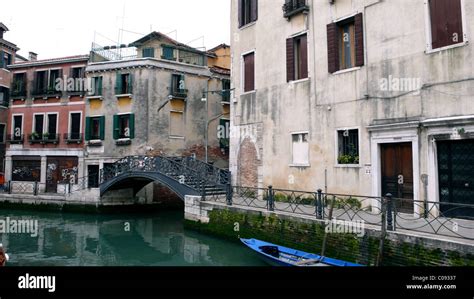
276	255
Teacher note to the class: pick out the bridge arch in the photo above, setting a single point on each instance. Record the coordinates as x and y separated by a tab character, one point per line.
138	180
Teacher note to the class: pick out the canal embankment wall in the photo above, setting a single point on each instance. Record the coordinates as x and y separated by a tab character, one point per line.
307	233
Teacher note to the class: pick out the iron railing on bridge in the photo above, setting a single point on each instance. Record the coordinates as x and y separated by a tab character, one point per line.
436	218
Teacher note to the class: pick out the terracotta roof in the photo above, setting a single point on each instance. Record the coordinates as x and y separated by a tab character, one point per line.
218	47
54	60
220	70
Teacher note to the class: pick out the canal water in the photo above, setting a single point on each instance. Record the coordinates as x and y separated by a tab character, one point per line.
157	239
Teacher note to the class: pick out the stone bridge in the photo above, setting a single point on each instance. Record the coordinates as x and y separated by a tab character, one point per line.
183	175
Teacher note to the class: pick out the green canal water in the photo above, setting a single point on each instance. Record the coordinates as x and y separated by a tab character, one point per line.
157	239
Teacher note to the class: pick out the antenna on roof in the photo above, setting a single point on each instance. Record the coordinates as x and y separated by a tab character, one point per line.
199	38
175	34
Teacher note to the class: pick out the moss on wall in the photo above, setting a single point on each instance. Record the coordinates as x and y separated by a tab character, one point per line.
308	236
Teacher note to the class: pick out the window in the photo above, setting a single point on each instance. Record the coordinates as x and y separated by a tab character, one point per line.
75	126
26	169
77	72
224	135
249	72
168	53
148	52
2	133
348	146
123	84
124	126
4	96
52	127
248	12
446	23
53	76
226	90
5	59
294	7
38	127
19	85
178	86
97	87
300	149
40	82
95	128
297	58
345	44
17	127
177	124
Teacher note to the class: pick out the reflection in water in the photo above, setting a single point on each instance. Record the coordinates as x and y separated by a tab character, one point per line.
105	240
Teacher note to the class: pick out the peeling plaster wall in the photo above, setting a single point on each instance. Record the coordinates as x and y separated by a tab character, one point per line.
395	44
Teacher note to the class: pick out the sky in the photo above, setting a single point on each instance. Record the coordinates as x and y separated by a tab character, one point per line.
58	28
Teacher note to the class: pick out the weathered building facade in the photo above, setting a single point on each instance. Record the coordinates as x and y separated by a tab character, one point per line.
357	97
165	100
46	121
7	56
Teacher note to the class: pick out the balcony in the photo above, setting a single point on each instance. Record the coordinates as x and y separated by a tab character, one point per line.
12	139
18	94
179	93
45	138
46	93
226	97
294	7
73	138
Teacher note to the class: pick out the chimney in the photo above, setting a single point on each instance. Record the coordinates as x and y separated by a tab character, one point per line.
33	56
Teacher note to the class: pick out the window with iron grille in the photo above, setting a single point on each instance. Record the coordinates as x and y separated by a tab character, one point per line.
348	146
294	7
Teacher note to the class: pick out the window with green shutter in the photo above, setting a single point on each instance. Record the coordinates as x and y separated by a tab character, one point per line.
95	128
123	84
148	52
124	126
168	53
1	59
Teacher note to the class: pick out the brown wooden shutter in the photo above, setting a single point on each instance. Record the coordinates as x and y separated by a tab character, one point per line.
249	62
303	67
454	20
333	48
240	12
253	10
359	39
437	26
290	59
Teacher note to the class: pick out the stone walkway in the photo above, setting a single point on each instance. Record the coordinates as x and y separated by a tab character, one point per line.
456	230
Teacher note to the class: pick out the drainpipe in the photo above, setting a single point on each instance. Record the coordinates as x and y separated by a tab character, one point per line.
206	133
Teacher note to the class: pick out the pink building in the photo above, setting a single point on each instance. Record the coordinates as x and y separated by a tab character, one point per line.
46	121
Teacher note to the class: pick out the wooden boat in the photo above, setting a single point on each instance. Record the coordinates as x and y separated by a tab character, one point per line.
282	256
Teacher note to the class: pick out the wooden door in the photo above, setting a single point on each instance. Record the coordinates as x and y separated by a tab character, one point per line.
397	174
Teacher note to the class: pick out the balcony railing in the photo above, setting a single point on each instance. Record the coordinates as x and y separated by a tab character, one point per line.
13	139
73	138
179	93
294	7
45	92
43	138
20	93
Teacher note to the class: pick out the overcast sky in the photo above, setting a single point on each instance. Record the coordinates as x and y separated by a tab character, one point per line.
55	28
